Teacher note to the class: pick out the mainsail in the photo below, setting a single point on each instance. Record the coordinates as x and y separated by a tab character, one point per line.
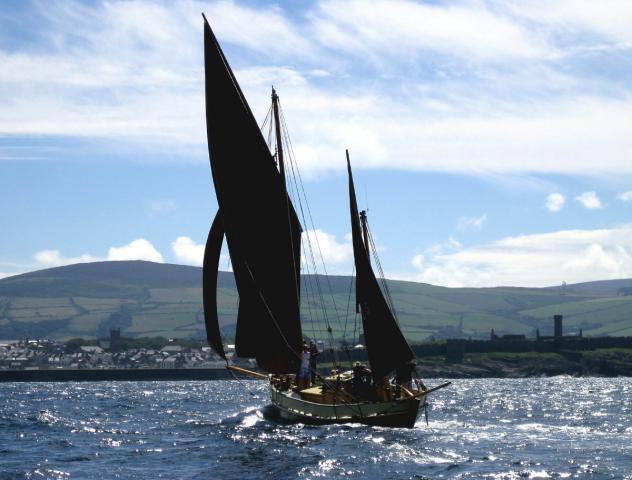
261	227
386	346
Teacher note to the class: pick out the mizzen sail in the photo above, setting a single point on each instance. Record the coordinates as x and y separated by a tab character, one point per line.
386	346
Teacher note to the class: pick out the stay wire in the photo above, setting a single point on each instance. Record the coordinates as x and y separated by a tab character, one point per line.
292	192
386	289
300	183
241	382
344	334
295	195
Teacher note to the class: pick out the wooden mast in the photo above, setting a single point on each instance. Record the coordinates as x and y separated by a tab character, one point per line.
365	233
279	152
277	132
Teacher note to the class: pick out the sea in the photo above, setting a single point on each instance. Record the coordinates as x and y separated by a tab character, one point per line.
560	427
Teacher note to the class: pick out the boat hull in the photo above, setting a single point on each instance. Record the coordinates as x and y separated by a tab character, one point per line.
289	407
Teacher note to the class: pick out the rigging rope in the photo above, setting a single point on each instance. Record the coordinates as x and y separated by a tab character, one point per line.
296	177
235	377
293	192
385	289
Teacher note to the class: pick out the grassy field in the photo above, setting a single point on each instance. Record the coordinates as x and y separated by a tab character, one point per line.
597	317
147	299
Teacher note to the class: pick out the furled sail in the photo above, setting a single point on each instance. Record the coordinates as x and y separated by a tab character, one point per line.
261	227
386	346
210	268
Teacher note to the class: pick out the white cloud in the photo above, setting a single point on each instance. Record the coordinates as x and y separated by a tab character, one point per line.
54	258
440	248
625	196
611	19
322	243
535	260
385	132
187	251
390	27
325	244
139	249
476	223
589	200
418	261
7	274
130	70
555	202
442	90
267	31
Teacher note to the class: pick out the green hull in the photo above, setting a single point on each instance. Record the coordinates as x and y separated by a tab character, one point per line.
288	406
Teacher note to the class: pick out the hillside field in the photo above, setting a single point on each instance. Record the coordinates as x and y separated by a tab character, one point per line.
150	299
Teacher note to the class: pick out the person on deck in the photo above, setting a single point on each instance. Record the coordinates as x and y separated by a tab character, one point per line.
303	373
313	353
403	377
383	390
361	380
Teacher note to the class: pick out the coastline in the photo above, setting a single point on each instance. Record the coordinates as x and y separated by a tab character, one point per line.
498	365
115	374
603	363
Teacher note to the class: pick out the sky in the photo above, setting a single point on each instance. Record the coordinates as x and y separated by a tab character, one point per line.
491	141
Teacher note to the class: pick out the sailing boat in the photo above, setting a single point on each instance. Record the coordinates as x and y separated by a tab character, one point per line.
263	235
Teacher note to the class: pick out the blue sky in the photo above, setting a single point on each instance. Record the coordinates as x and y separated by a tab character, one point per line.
490	140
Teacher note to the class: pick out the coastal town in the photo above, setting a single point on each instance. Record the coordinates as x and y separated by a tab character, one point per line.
44	354
154	358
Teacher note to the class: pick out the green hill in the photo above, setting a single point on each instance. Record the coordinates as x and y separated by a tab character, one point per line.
149	299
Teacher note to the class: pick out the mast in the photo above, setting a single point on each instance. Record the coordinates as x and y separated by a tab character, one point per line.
365	233
277	133
279	151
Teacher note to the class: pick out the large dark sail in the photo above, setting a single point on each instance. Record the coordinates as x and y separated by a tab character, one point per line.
209	284
386	346
261	227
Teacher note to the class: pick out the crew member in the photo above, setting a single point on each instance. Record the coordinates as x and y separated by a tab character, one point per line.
383	390
313	353
303	373
361	380
403	377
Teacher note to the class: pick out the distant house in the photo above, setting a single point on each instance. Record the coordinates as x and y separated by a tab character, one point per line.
171	349
19	363
172	362
91	349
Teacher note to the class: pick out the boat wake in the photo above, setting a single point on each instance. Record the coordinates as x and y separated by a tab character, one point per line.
246	418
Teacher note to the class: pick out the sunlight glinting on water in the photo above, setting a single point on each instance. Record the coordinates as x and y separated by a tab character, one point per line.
559	427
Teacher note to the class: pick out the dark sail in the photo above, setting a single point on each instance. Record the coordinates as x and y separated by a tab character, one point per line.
209	285
386	346
261	227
